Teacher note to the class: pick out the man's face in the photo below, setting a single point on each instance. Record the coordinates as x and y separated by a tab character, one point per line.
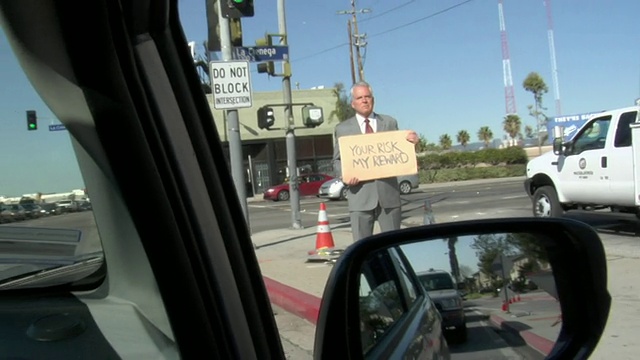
362	101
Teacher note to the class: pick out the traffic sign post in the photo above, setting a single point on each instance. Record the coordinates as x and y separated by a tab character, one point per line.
57	127
230	84
261	53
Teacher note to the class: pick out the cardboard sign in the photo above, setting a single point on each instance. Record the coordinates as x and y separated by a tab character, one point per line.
378	155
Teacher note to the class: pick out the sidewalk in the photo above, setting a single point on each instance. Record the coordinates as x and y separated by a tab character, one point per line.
297	286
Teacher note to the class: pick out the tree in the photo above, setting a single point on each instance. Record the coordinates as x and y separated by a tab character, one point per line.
488	247
445	141
511	125
534	84
422	144
343	109
463	138
528	132
485	135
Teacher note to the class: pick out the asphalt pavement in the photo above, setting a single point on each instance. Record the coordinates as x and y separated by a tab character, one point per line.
295	281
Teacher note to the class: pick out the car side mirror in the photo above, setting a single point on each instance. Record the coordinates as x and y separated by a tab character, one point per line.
374	294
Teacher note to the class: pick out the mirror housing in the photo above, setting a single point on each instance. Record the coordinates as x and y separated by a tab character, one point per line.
575	253
558	139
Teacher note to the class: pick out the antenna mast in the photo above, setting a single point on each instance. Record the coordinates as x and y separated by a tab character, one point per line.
510	99
552	52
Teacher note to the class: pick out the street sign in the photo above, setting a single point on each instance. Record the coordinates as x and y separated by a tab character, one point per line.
230	84
57	127
261	53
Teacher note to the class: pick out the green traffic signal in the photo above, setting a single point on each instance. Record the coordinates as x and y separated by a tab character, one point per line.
32	120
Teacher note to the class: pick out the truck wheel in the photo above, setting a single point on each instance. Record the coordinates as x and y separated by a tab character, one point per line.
546	203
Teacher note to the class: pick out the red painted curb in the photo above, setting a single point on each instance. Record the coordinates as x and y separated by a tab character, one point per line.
293	300
534	340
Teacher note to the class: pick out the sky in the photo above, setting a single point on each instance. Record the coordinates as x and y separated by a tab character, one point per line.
436	66
434	254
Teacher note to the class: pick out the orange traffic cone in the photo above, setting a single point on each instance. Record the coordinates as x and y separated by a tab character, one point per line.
324	239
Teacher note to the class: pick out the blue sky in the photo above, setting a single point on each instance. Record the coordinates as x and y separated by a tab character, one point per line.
434	65
437	65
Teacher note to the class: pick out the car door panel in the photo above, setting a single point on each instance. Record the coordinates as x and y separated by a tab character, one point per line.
121	116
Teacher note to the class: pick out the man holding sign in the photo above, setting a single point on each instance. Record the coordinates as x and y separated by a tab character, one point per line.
369	163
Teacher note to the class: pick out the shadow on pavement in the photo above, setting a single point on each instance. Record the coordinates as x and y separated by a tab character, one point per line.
608	222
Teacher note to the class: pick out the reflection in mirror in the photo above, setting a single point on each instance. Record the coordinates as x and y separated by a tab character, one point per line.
486	294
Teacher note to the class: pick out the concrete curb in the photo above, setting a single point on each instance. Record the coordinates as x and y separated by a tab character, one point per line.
535	341
293	300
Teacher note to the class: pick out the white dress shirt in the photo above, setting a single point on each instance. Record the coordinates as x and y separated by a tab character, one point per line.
372	122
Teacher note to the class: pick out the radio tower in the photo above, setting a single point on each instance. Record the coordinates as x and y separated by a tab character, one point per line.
509	96
552	52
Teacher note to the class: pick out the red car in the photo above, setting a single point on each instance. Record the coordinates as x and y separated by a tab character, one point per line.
309	185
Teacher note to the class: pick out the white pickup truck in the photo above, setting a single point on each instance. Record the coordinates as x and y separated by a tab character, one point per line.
598	168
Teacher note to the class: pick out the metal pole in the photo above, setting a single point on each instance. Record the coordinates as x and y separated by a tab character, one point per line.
353	70
235	143
294	194
358	42
504	282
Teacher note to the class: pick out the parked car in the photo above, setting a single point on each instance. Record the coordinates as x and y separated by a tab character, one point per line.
443	291
335	189
67	205
308	185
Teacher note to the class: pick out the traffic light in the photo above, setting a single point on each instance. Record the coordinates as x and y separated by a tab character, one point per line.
266	117
234	9
32	120
267	67
312	116
213	27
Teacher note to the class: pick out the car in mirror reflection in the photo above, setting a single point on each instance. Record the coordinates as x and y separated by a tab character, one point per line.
403	276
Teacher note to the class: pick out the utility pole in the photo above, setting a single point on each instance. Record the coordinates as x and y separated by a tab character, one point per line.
360	39
233	123
294	194
353	70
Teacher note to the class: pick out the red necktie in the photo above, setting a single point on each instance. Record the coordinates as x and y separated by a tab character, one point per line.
367	126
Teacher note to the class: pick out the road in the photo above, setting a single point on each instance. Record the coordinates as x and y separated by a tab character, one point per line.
448	204
454	203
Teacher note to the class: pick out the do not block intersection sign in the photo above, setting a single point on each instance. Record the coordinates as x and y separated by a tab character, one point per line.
230	84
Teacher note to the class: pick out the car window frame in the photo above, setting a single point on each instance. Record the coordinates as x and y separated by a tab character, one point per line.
148	130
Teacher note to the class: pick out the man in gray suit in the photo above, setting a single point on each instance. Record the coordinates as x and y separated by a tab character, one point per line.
374	199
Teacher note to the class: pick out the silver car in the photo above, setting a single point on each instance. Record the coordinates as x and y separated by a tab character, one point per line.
335	189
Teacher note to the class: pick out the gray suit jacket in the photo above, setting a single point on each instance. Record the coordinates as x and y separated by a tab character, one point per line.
367	194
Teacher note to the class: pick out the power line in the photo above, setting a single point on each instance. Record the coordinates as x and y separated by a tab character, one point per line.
389	30
388	11
423	18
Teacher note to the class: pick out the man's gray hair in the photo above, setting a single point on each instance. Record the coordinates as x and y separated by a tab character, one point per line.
361	84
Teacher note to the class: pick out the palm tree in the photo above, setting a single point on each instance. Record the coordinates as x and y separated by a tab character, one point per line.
534	84
463	138
485	135
445	141
512	125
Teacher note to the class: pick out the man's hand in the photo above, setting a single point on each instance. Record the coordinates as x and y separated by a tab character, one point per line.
352	182
412	137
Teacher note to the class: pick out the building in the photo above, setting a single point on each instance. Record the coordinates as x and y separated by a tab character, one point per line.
264	151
